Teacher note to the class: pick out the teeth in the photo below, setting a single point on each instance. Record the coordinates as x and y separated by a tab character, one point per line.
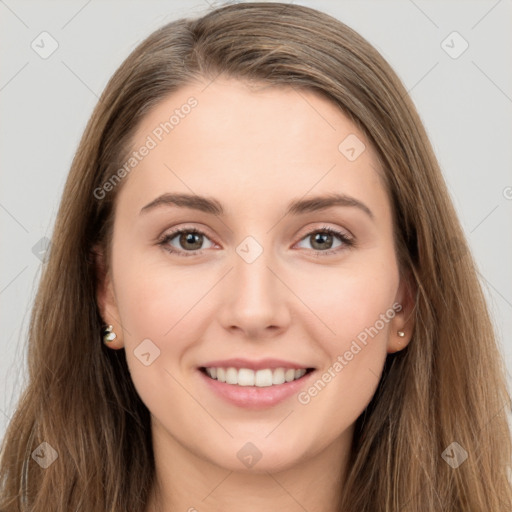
259	378
262	378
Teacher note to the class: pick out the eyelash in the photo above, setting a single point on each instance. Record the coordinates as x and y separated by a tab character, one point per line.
348	242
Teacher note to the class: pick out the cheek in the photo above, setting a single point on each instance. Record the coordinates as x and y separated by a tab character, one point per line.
353	310
157	304
153	300
348	300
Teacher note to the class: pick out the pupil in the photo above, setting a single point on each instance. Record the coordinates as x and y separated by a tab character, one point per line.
190	238
322	237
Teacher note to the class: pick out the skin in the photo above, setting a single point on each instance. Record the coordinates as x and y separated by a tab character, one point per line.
254	149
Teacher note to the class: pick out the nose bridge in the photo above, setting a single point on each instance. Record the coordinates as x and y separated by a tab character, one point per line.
252	261
254	300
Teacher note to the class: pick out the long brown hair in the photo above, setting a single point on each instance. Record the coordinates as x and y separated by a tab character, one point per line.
448	386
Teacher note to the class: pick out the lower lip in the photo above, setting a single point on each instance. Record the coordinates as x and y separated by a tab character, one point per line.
253	397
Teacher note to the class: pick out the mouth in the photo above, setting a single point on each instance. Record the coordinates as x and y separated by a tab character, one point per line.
247	377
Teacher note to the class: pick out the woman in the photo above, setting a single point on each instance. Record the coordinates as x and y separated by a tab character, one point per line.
257	372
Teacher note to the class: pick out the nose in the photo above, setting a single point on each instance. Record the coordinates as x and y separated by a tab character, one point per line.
255	301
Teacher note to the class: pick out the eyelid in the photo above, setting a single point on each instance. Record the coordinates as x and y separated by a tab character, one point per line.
192	228
325	227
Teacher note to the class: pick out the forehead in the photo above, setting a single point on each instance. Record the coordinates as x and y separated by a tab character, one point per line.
253	144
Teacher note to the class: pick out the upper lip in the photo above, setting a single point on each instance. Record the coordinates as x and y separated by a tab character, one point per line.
254	365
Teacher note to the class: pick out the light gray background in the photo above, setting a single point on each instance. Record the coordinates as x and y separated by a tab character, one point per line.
465	103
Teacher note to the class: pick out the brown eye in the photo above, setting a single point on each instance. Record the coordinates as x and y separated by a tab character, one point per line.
322	240
189	241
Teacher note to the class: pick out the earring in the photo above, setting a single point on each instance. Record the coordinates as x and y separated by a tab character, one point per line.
400	333
108	334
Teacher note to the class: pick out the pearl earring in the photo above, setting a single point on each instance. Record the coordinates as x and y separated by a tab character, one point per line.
108	334
400	333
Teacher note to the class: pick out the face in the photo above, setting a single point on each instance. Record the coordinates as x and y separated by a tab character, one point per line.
251	283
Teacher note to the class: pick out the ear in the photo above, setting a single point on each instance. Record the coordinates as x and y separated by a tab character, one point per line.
105	298
403	321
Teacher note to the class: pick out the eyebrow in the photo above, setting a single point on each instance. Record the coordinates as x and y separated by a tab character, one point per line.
213	206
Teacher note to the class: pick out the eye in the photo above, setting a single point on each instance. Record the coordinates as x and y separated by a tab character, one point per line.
191	241
188	238
322	240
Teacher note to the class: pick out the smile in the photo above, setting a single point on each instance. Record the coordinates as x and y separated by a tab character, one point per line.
260	378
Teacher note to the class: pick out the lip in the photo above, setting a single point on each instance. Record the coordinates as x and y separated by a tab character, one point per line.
254	365
253	397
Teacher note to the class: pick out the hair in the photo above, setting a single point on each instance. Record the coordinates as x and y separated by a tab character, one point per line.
448	385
